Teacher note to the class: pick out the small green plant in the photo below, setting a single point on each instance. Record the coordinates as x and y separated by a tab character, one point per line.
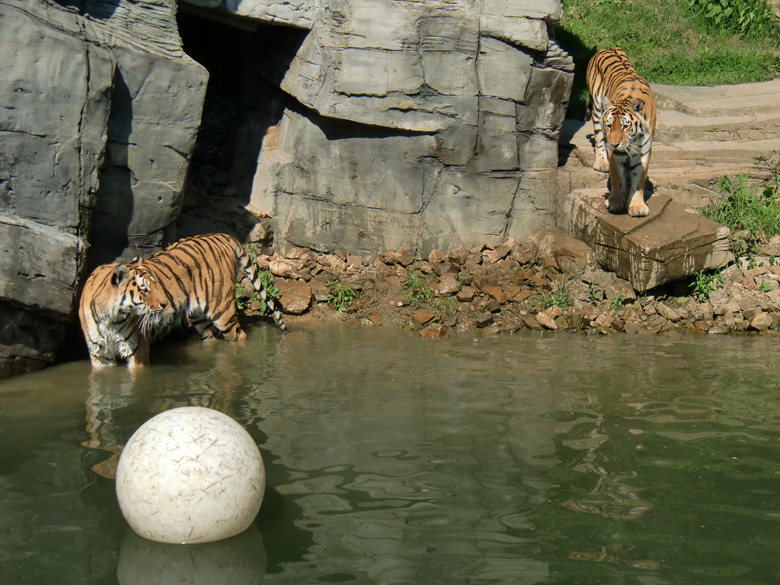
249	248
593	293
617	302
240	298
341	296
416	289
705	283
752	213
559	298
765	286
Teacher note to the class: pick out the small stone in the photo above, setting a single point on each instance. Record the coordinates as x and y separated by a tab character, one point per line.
498	253
547	317
484	319
495	292
434	331
334	262
632	327
436	257
668	312
448	284
458	255
466	294
283	267
423	317
404	258
761	322
295	296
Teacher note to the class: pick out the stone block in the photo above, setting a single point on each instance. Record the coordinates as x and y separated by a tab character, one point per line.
670	244
503	70
39	265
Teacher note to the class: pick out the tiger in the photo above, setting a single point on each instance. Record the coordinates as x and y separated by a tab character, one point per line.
109	309
623	112
190	282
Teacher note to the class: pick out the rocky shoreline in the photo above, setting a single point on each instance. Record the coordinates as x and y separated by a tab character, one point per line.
549	283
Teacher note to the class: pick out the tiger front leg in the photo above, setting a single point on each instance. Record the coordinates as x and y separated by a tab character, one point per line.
616	202
140	357
637	177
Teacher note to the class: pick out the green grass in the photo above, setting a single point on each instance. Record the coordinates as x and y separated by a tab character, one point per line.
751	212
417	289
341	296
667	41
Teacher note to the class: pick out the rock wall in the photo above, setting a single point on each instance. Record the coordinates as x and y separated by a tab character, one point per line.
415	125
403	124
100	112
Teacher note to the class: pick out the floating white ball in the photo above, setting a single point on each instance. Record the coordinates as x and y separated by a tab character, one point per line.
190	475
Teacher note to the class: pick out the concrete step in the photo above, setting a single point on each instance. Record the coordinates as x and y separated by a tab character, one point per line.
670	244
716	153
674	126
719	100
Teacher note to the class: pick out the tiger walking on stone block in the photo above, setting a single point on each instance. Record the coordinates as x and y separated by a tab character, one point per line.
623	112
124	306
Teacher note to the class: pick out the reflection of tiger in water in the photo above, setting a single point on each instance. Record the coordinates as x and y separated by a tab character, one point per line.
123	306
623	112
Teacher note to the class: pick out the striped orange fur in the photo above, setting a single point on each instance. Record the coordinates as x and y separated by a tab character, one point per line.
192	281
623	112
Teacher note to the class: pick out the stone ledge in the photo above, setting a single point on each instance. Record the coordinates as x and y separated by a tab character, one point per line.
670	244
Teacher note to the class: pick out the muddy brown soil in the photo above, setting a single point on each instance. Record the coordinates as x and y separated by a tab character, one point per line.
511	287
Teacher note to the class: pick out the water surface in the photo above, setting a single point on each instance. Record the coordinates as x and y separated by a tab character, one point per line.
392	459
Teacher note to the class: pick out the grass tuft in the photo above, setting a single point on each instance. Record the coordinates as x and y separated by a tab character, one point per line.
751	212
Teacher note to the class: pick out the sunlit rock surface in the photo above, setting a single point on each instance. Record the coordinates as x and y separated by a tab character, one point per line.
412	125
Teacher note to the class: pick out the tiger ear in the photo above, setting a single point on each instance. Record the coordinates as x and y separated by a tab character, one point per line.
638	106
119	275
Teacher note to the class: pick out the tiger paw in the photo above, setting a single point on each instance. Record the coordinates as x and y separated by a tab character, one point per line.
614	205
639	210
601	165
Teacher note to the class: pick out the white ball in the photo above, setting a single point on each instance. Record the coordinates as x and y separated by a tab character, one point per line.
190	475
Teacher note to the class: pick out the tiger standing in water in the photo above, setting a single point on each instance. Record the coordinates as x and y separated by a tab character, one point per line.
193	281
622	108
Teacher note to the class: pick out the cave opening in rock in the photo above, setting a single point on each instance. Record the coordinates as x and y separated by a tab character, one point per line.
246	60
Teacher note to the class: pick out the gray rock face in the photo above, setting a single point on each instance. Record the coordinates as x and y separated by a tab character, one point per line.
416	126
99	117
403	124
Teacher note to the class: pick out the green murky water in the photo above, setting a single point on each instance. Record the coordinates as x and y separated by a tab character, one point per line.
392	459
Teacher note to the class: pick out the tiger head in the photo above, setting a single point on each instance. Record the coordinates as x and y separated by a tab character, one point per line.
152	300
625	126
125	291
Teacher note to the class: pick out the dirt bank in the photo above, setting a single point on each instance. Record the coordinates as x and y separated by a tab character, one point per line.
535	285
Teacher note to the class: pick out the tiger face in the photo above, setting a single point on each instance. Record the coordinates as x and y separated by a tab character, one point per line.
625	128
151	300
